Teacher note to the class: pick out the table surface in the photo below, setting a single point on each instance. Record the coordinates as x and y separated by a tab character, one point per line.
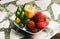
6	31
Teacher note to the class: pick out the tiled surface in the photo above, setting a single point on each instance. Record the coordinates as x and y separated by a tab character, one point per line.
14	35
43	4
50	7
2	35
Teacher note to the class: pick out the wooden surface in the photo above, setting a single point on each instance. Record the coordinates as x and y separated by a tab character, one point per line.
57	36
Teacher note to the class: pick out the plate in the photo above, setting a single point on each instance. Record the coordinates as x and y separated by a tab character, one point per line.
24	29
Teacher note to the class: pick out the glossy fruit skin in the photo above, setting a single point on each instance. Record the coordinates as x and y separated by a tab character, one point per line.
30	13
18	12
31	24
17	20
22	15
34	30
42	24
39	16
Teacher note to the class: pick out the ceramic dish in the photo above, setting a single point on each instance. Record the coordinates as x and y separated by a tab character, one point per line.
22	7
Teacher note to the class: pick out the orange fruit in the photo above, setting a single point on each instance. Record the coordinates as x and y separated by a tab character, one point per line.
30	13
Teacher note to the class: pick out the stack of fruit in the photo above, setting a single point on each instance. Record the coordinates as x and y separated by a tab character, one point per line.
33	19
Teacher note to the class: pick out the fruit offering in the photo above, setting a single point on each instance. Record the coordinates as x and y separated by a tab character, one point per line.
31	19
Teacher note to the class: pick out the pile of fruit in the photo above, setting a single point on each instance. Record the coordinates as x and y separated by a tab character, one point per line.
27	16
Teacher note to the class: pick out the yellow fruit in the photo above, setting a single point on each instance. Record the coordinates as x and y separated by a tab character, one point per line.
30	13
17	20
